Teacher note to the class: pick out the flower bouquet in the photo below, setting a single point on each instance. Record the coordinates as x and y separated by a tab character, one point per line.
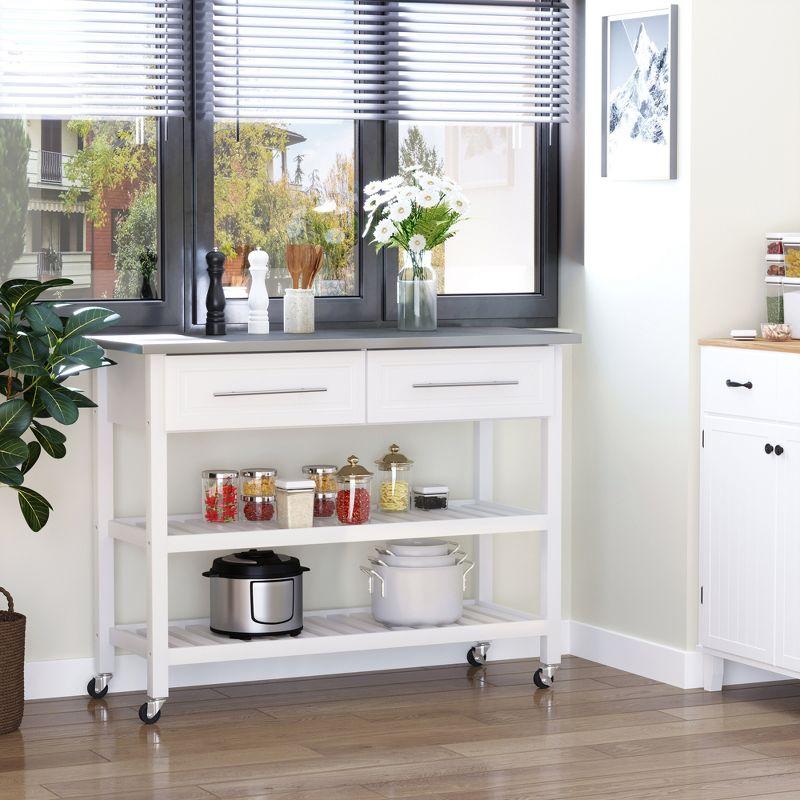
414	211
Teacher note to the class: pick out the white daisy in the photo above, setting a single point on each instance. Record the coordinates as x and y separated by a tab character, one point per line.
372	203
417	243
399	211
372	187
383	231
457	202
428	181
393	182
427	198
406	193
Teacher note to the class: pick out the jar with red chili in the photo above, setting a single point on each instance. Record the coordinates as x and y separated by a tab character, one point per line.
353	498
220	495
258	508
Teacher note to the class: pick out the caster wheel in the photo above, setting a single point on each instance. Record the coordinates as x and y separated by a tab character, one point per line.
144	718
475	659
295	633
541	681
92	691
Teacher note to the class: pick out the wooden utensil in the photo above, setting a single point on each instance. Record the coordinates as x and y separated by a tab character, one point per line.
312	266
294	263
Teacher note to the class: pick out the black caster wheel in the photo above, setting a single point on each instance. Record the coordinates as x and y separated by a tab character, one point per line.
541	681
474	659
148	720
295	633
92	691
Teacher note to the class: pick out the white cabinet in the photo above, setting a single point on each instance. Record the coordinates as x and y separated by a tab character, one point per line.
750	510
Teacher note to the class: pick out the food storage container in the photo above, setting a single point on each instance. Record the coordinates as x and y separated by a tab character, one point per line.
430	498
295	503
776	269
324	477
775	304
220	495
324	505
353	496
791	258
258	508
774	244
775	332
394	489
258	481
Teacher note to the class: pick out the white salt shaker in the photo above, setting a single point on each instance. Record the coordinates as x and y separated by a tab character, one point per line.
258	299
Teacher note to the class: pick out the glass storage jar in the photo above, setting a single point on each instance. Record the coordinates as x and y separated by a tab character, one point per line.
324	477
220	495
353	497
258	508
430	498
394	488
295	503
258	481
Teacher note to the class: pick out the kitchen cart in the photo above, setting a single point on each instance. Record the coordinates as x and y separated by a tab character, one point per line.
172	384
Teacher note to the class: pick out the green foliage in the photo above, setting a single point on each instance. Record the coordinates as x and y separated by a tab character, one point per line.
416	152
39	351
136	240
14	149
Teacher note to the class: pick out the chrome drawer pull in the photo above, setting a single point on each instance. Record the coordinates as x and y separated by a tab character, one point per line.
463	383
250	392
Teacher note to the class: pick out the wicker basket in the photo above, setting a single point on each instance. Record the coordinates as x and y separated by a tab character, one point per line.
12	666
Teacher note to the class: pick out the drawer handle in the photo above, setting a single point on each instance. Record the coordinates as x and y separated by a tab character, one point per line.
250	392
463	383
737	385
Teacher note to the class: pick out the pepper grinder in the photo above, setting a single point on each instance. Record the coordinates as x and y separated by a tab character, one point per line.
258	299
215	297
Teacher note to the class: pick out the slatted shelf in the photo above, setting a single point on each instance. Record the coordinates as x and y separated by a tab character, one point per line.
192	642
189	533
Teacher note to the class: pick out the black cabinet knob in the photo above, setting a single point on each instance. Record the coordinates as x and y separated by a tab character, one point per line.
768	448
778	450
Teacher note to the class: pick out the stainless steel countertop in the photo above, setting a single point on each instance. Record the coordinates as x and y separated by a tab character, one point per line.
175	344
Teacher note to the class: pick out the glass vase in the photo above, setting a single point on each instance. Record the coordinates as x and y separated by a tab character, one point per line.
416	294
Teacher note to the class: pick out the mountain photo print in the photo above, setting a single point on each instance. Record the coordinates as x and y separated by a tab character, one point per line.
639	96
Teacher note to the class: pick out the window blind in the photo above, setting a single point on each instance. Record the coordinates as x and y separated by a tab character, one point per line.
426	60
65	59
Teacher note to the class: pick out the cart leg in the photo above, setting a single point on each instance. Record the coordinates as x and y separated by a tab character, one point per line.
550	552
713	670
483	472
103	512
156	520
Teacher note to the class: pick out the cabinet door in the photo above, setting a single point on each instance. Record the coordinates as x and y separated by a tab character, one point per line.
787	634
737	537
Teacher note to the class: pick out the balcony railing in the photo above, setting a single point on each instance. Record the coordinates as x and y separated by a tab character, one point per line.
52	166
49	264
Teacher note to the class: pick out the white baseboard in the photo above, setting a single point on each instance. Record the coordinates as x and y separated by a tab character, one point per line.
659	662
683	668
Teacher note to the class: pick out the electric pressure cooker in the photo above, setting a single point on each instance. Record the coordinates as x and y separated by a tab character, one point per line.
256	593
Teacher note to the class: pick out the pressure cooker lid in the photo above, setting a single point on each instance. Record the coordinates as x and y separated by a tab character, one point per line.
257	564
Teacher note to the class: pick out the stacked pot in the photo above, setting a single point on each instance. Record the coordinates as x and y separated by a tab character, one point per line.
418	582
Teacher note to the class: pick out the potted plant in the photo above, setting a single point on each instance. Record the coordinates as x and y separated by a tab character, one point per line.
415	211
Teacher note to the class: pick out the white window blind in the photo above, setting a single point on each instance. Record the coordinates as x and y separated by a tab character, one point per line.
436	60
67	59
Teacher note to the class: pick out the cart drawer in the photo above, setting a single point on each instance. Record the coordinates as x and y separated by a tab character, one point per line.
264	390
484	383
738	382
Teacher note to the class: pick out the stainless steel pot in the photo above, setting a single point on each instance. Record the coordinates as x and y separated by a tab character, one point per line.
417	597
256	593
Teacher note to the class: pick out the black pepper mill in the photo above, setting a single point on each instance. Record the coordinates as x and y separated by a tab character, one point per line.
215	297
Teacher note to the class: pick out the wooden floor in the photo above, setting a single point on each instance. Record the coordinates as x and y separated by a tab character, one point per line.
450	733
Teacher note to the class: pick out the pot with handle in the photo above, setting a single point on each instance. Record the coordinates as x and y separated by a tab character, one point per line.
12	666
390	560
420	547
418	596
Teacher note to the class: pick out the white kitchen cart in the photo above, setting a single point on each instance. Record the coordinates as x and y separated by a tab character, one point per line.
175	384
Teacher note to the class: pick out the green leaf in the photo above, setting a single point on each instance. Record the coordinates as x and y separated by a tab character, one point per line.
17	295
25	365
78	397
34	451
11	476
15	417
35	508
34	345
58	403
51	440
89	320
42	318
13	451
79	350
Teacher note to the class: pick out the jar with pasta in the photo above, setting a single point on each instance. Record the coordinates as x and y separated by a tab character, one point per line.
394	487
258	481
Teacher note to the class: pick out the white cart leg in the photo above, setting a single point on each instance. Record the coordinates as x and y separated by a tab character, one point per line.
550	554
103	466
156	517
484	490
713	670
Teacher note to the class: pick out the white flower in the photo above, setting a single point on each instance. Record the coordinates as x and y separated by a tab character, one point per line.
457	202
393	182
427	198
372	187
372	203
428	181
383	231
399	211
417	243
406	193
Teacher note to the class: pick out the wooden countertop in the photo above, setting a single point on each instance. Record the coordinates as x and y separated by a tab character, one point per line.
792	346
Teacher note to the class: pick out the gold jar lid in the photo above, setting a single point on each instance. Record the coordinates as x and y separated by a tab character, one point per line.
394	458
353	470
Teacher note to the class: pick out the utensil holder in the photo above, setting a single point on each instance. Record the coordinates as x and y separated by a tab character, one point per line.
12	666
298	311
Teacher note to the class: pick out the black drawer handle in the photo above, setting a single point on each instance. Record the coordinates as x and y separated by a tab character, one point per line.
737	385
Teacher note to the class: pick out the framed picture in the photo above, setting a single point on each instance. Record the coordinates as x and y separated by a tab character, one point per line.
484	157
640	91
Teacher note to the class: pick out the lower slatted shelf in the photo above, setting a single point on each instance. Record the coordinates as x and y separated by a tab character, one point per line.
192	642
